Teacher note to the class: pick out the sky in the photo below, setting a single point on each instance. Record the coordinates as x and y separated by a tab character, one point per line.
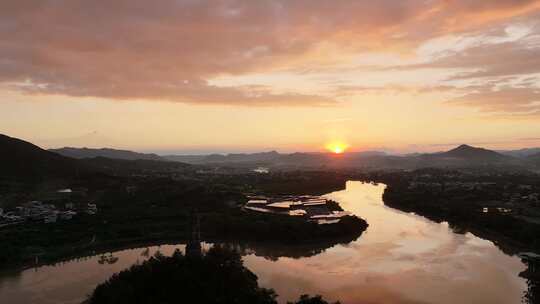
188	76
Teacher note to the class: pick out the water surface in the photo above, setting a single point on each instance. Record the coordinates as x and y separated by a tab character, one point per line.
401	258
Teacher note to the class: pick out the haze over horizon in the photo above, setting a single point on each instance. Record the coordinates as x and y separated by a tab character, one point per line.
248	76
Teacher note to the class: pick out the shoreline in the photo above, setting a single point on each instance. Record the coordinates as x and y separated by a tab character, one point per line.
332	235
140	243
475	225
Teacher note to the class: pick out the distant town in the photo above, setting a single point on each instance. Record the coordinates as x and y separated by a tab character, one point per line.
37	211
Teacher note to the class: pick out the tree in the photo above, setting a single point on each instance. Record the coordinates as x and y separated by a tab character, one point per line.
306	299
218	277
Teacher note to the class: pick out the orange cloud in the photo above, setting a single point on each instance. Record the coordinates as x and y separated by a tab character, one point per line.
511	101
169	50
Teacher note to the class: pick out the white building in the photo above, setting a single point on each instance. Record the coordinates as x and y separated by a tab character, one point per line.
257	202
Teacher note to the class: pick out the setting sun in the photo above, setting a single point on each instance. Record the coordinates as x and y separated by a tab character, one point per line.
337	147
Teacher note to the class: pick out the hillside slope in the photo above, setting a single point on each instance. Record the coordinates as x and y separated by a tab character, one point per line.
22	160
80	153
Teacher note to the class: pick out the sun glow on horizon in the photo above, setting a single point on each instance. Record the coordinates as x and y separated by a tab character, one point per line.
337	147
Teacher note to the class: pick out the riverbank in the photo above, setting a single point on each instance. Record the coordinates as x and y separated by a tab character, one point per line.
47	243
468	213
512	233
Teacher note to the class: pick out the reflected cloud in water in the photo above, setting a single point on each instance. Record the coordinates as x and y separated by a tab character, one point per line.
401	258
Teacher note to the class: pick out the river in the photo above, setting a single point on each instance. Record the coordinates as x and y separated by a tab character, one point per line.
400	258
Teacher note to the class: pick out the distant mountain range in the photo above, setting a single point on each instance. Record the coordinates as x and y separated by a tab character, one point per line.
104	152
23	159
137	166
220	158
263	157
523	153
463	155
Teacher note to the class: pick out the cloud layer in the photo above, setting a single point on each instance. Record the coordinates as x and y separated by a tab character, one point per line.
171	50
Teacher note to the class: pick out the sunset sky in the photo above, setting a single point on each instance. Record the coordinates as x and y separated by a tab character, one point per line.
196	76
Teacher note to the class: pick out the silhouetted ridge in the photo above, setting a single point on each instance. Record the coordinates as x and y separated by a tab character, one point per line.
126	167
104	152
472	153
226	158
22	160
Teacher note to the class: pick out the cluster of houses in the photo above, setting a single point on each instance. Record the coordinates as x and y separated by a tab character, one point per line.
452	185
514	194
37	211
313	208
